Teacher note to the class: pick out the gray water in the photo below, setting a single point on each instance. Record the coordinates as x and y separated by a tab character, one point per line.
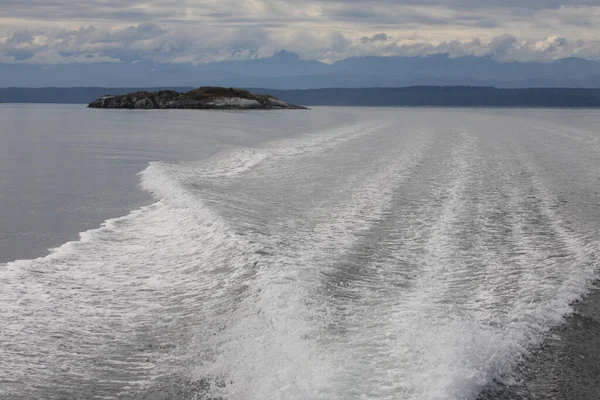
65	169
336	253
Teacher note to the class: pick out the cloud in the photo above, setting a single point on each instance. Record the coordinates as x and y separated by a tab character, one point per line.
268	13
477	4
160	43
58	31
503	48
378	37
500	46
551	44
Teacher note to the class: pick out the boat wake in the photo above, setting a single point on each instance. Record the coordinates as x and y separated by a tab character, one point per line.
387	259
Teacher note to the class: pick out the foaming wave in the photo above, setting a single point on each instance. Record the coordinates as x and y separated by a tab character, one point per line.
169	180
277	349
119	302
125	302
134	300
407	277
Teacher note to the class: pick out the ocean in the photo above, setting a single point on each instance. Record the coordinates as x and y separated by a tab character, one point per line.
335	253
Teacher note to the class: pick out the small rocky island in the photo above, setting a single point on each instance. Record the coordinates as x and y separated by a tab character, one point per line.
203	98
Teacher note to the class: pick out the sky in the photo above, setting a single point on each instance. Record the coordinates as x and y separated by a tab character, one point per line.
198	31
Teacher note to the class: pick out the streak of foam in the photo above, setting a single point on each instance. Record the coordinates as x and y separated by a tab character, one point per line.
423	341
274	351
112	304
455	345
180	285
403	344
237	160
172	270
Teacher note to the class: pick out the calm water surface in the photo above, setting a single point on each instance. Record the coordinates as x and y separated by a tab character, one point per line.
66	168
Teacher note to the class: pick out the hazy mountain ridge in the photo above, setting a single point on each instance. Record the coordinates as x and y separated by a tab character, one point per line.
287	71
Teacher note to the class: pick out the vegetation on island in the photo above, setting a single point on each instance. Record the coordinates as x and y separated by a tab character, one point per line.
207	97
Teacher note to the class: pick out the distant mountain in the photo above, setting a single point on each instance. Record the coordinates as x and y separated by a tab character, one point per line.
282	64
440	69
287	71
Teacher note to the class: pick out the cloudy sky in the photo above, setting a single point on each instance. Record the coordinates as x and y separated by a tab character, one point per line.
181	31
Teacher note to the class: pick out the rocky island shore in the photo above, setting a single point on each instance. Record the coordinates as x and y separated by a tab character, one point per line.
202	98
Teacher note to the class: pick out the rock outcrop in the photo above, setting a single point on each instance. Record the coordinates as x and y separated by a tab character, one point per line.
201	98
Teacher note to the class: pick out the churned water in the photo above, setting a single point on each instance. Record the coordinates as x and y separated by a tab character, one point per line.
329	254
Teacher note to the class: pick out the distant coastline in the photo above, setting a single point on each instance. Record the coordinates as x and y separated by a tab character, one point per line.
414	96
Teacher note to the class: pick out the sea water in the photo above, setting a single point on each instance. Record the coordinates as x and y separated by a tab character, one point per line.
335	253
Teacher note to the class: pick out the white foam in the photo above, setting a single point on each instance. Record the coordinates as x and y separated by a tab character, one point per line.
274	349
250	307
88	300
129	273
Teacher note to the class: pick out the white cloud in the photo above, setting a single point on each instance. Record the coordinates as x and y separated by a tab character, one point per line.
207	30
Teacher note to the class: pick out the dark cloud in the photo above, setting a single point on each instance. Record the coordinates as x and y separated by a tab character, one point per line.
515	4
501	44
411	18
129	10
228	10
477	4
22	37
378	37
20	54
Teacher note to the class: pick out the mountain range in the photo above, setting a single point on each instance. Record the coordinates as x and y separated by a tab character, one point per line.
285	70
